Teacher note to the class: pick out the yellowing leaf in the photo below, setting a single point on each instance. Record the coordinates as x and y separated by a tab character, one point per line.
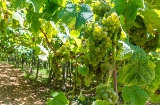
76	1
49	40
123	35
74	34
41	35
4	5
78	41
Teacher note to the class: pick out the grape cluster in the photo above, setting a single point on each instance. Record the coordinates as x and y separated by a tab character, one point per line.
138	32
140	37
152	44
98	44
106	92
99	35
63	53
100	7
3	26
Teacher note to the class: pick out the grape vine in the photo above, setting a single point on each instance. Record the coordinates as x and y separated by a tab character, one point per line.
89	48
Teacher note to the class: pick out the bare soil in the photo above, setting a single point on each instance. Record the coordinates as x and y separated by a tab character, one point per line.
16	90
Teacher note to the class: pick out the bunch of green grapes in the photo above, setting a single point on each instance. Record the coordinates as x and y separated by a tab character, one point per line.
105	68
63	53
152	44
106	92
140	37
3	26
98	43
99	35
138	32
100	7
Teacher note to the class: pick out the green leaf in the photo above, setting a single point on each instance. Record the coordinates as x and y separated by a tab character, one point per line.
78	81
37	4
135	95
50	9
19	4
59	2
33	18
74	18
84	15
68	13
35	25
100	102
29	13
81	97
151	21
128	8
155	98
125	52
58	99
57	15
139	70
83	70
88	79
155	83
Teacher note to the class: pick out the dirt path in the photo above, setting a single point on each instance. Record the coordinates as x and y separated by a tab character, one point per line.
15	90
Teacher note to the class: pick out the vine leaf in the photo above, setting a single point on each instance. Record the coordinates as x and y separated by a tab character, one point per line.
128	8
35	25
68	13
33	18
153	86
135	95
88	79
125	52
37	4
84	15
74	34
139	70
19	3
151	21
50	9
155	98
70	16
83	70
58	99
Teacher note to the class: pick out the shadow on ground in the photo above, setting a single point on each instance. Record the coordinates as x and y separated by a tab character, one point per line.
16	90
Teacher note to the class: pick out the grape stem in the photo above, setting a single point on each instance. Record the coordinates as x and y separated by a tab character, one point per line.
82	90
114	45
49	44
111	71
